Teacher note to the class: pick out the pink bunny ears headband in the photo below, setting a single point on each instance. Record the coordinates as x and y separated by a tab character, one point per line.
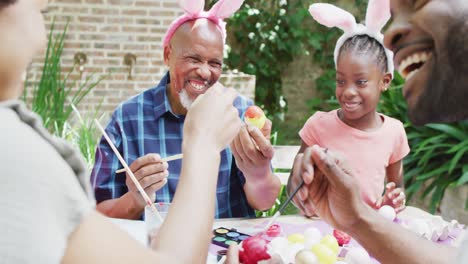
377	15
193	9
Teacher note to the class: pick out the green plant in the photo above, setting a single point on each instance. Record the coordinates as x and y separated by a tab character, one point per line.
84	133
55	93
439	152
265	38
55	96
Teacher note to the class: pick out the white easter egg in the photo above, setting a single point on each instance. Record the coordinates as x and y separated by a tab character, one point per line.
305	257
309	242
278	245
312	232
388	212
357	255
291	252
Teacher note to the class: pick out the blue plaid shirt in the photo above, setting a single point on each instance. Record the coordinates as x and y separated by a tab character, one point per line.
146	124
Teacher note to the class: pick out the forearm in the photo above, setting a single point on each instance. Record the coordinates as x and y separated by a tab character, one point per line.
391	243
193	207
262	192
124	207
395	174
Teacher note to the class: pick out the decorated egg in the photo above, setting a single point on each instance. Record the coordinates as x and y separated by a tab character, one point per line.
274	230
341	237
253	250
255	116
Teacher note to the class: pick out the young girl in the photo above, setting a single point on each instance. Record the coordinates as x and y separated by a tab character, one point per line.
374	144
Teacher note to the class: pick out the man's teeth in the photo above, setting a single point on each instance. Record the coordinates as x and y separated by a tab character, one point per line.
409	75
198	86
411	64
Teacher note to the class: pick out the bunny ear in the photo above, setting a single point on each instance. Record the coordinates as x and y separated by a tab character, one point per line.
332	16
225	8
378	14
192	6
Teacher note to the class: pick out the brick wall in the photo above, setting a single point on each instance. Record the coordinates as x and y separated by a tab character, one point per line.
106	30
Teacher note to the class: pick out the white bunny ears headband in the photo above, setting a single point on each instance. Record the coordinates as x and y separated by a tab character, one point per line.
193	9
377	15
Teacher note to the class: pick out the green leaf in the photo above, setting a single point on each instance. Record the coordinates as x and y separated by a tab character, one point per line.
450	130
435	172
456	159
463	179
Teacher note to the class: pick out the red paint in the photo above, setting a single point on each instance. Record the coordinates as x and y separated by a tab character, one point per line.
341	237
254	111
274	230
253	250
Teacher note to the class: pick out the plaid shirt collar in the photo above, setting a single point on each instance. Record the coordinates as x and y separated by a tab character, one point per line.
162	105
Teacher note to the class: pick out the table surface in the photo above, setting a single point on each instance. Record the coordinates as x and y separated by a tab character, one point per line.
137	228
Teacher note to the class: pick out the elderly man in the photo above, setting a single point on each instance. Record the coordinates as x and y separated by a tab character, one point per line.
149	126
430	43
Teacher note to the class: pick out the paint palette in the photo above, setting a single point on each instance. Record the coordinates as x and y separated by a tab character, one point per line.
224	237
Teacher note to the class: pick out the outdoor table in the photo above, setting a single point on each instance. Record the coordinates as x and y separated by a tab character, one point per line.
136	228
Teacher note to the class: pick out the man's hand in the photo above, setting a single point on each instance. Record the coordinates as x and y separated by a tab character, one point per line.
330	190
253	151
151	172
395	197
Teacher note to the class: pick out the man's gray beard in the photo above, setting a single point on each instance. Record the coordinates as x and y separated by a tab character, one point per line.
185	99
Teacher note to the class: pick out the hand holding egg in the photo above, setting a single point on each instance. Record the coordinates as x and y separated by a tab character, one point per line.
388	212
253	150
255	116
393	196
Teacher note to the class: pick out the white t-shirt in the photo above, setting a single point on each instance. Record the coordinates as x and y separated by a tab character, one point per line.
44	191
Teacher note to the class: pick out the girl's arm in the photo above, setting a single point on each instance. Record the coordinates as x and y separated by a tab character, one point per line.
394	190
395	174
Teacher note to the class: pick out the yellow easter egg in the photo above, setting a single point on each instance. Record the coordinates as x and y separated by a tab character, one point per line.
324	254
330	241
296	238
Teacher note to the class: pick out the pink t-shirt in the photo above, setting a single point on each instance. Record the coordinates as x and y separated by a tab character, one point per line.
369	153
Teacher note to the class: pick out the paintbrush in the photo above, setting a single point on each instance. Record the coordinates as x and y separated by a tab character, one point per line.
284	205
130	173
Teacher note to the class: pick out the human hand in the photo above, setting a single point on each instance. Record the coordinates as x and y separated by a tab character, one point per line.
232	256
253	151
151	172
212	120
394	197
295	179
329	190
